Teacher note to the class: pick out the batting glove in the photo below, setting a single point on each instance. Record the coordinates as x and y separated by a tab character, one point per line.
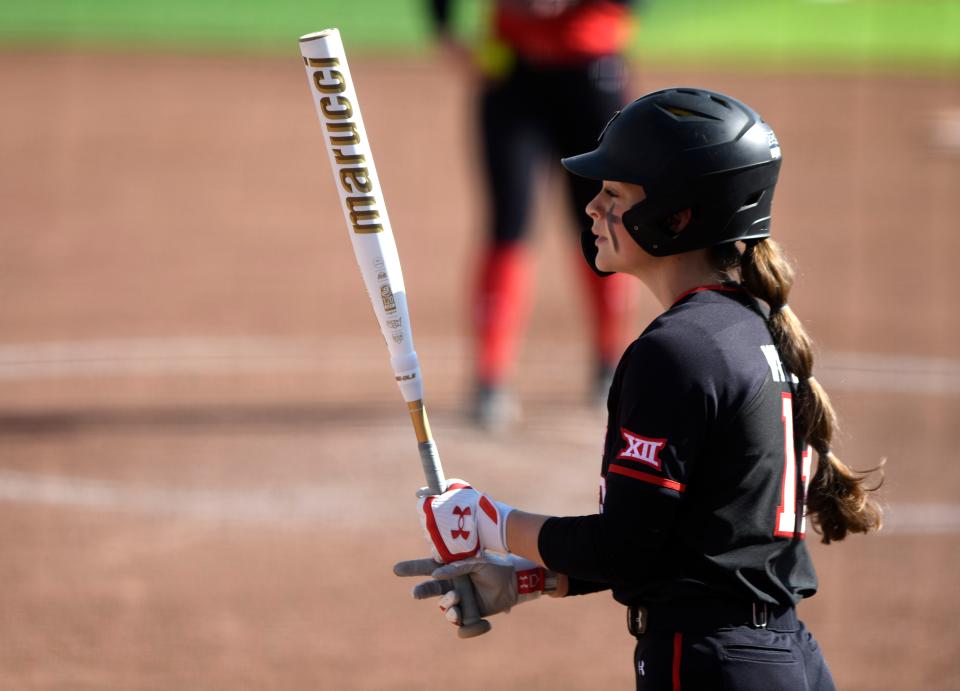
499	581
462	522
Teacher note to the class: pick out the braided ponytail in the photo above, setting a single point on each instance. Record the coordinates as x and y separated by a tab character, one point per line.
838	499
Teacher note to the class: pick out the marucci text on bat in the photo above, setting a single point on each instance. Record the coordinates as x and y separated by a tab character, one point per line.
353	175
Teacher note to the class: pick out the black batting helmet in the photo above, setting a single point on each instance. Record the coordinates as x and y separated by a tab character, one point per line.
690	149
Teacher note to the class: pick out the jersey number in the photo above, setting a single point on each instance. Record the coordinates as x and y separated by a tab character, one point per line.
786	525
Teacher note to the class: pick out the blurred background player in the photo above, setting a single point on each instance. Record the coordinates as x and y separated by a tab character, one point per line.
551	74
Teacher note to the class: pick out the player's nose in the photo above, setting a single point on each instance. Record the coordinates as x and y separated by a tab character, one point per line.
593	209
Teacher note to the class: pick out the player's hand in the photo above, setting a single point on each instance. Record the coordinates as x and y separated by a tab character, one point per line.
462	522
499	581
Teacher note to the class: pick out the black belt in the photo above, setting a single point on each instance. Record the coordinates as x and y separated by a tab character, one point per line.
710	616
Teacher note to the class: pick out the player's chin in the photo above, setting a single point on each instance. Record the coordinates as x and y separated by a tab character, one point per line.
604	263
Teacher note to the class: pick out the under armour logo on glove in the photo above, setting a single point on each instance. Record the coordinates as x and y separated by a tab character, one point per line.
460	513
448	520
461	522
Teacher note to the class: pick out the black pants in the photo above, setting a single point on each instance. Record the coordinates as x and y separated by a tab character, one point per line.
733	659
535	115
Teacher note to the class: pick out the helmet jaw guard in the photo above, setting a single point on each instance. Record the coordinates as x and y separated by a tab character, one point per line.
690	149
736	207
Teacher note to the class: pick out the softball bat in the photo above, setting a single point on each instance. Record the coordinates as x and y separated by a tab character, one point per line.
375	248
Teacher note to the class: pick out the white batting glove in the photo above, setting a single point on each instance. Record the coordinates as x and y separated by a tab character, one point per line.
461	522
499	581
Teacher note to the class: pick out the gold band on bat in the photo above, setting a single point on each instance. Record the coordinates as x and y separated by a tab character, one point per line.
418	414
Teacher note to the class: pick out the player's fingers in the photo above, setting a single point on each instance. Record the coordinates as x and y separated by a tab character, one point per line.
431	589
448	606
427	492
452	615
415	567
455	569
449	599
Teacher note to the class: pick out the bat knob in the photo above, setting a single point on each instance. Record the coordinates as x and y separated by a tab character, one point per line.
477	628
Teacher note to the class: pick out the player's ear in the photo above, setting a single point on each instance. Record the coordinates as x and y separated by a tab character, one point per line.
678	221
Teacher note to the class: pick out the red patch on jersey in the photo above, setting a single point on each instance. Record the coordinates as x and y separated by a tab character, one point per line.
641	449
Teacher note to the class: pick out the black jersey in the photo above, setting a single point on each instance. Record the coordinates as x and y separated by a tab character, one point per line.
702	482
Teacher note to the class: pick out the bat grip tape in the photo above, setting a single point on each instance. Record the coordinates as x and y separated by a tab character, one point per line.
470	622
432	470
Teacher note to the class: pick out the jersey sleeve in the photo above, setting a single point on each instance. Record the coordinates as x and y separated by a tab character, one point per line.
578	586
667	405
664	410
605	549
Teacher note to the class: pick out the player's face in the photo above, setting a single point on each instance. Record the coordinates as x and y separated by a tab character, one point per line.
616	250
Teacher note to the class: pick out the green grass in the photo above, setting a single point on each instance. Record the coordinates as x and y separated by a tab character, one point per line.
918	35
242	25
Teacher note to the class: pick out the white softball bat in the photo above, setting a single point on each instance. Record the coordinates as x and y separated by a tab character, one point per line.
366	219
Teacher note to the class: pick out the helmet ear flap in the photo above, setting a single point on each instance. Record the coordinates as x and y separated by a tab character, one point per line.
589	247
649	224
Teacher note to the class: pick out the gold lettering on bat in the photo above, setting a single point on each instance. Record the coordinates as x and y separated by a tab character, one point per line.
355	180
343	111
364	220
327	80
346	159
347	133
343	134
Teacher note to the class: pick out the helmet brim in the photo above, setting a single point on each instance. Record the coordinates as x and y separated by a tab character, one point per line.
591	165
598	165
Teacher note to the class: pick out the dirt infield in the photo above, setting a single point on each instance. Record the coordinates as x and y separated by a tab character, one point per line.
206	472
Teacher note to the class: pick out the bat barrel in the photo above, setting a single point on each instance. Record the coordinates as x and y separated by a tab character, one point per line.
361	200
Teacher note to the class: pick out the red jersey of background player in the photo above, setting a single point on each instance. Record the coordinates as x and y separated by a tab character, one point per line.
556	32
577	32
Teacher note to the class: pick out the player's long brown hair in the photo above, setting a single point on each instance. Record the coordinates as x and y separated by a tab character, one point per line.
839	500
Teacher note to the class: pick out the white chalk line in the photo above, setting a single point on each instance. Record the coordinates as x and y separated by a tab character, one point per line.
922	518
839	370
313	504
303	503
876	372
154	357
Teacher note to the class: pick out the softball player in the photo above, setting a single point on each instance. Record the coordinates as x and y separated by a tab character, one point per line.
551	75
714	417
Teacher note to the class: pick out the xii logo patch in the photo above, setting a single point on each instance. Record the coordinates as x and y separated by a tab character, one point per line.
641	449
